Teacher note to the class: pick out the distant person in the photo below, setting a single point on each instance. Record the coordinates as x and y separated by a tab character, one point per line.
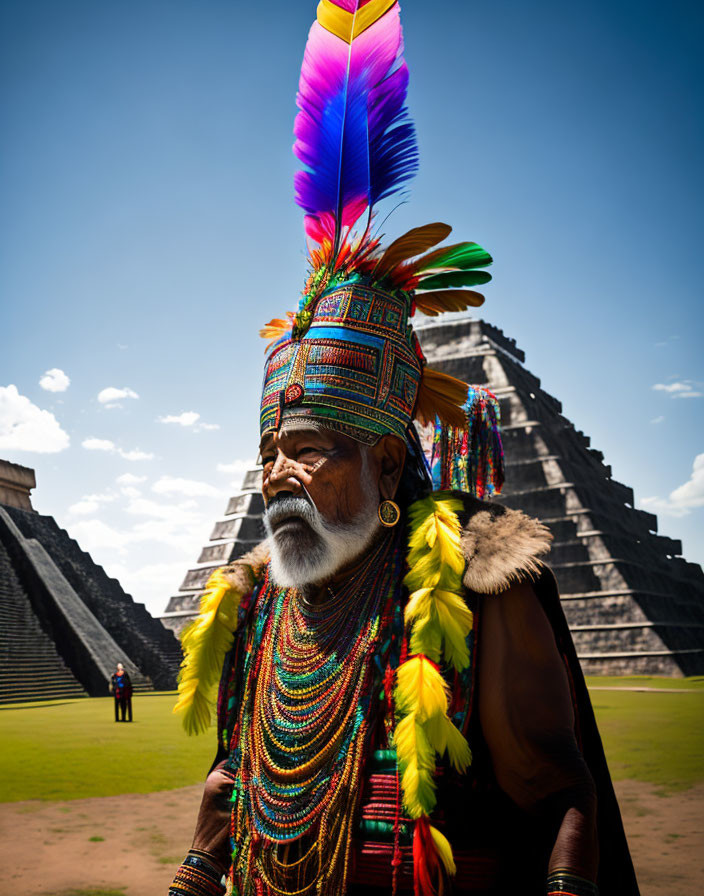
121	688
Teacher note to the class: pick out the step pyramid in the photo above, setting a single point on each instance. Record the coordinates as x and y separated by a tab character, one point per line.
634	605
64	623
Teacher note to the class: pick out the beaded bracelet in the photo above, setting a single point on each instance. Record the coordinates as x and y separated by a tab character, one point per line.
197	876
565	883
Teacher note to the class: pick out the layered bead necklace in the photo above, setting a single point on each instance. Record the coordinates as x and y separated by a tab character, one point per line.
304	725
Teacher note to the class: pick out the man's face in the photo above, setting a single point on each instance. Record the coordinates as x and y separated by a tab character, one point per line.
120	668
321	491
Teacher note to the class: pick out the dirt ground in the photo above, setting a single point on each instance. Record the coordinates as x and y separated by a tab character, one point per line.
132	844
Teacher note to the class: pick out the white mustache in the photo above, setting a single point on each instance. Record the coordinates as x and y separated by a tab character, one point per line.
283	508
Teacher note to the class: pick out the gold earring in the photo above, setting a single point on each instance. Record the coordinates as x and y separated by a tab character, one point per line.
389	513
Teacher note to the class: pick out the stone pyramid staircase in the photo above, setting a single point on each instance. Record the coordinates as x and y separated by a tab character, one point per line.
634	605
30	667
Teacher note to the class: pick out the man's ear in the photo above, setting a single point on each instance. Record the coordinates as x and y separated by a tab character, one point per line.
390	454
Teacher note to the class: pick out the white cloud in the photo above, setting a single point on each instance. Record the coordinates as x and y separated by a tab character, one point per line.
130	479
691	493
237	466
183	512
657	419
95	535
181	526
55	380
188	419
111	396
683	389
91	503
160	578
169	485
685	498
93	444
98	445
135	455
25	427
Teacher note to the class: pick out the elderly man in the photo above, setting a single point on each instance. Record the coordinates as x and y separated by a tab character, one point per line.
400	707
525	812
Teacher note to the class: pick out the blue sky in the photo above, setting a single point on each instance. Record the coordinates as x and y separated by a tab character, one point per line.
148	230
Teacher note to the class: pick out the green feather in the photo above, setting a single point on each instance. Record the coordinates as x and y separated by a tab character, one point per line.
454	278
462	256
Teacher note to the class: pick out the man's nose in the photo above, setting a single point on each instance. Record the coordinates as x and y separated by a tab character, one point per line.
285	476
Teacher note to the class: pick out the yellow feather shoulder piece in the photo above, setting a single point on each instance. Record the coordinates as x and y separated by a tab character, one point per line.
416	760
436	613
207	639
439	621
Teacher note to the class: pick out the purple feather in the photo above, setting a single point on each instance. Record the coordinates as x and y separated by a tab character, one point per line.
353	132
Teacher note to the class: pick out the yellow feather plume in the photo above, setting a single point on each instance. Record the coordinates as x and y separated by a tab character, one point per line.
436	612
427	638
419	605
420	689
416	761
458	751
455	623
440	621
434	524
444	850
205	643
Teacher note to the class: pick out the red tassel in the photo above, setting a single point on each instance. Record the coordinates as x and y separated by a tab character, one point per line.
427	873
389	687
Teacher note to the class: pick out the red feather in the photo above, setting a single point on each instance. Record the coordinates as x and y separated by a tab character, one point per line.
428	877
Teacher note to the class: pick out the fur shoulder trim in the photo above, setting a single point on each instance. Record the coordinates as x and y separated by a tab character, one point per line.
502	547
242	574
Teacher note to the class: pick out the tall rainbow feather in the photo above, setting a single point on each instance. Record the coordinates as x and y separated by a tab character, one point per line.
353	133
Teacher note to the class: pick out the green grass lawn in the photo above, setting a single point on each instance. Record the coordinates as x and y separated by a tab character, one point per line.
646	681
72	749
653	737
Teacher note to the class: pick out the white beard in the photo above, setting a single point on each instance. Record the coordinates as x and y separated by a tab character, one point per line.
296	562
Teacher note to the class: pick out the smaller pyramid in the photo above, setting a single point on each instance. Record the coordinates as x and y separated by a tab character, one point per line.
66	623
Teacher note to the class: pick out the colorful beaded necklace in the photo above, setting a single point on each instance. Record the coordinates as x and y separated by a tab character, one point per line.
305	719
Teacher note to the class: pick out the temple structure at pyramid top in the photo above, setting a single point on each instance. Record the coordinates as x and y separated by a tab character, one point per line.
634	605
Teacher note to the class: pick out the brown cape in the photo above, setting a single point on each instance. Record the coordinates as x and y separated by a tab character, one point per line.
504	546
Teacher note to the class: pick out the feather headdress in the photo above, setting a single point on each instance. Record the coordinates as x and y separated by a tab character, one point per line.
357	147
